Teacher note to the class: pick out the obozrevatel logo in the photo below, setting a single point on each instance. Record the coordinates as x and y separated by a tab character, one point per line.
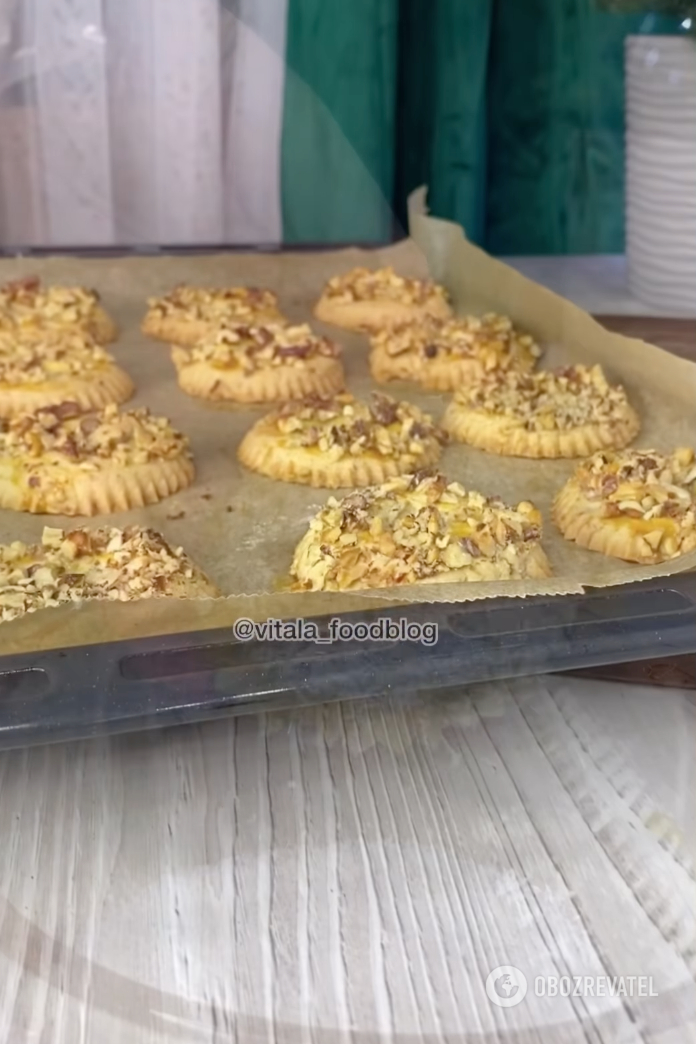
506	986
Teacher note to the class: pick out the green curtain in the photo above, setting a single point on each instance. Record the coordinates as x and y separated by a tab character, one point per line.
511	111
339	129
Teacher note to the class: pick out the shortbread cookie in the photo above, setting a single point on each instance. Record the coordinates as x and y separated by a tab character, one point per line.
638	505
63	461
190	314
368	300
415	530
73	368
442	355
29	309
121	565
261	364
342	442
564	413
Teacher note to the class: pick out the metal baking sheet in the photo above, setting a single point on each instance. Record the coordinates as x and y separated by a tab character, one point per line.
126	686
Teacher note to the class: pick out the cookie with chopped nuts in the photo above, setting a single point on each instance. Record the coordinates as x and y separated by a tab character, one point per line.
30	310
638	505
369	300
562	413
418	529
443	355
62	460
254	364
188	314
342	442
121	565
69	368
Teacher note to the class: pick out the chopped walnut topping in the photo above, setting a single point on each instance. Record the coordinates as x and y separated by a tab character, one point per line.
258	347
76	565
66	434
490	339
49	358
27	302
240	303
345	427
413	529
643	484
548	401
362	284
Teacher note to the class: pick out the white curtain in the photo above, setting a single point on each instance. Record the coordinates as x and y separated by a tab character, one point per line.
140	121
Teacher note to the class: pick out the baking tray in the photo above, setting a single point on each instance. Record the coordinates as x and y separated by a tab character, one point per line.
176	679
643	632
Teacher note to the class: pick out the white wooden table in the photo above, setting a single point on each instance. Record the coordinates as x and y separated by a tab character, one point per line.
353	873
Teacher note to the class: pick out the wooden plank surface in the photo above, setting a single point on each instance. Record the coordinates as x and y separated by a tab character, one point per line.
353	873
675	335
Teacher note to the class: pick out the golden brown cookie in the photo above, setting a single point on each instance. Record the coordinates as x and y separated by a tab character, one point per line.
637	505
342	442
69	368
443	355
368	300
190	314
120	565
563	413
261	364
414	530
30	310
64	461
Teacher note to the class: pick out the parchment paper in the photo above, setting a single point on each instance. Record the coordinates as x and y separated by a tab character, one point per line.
242	528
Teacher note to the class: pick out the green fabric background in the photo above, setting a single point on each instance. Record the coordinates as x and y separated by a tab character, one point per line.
556	118
337	173
511	111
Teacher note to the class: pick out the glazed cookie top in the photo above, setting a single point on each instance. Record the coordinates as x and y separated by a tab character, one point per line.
555	400
26	301
642	484
69	566
490	339
197	302
66	434
364	284
257	347
74	355
346	427
413	528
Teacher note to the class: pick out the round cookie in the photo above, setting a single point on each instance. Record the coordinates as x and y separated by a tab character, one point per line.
189	314
636	505
443	355
255	364
31	311
369	300
77	565
70	368
415	530
63	461
342	442
563	413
